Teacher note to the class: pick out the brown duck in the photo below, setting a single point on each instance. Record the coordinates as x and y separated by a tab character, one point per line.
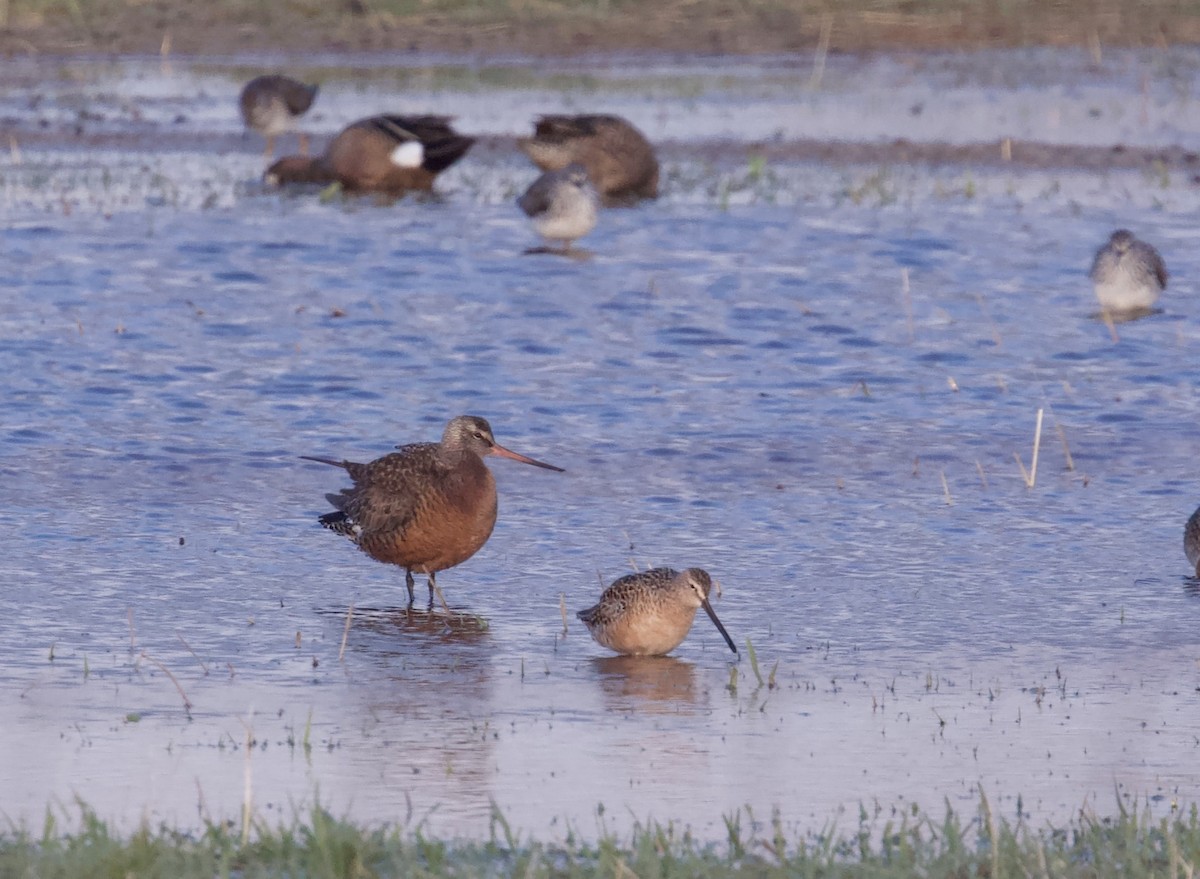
426	507
385	154
618	158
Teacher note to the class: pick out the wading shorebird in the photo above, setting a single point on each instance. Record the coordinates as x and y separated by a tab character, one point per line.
426	507
270	104
650	613
385	154
563	206
1128	275
1191	541
618	158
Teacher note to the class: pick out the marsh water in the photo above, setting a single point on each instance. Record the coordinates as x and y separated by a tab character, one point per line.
812	380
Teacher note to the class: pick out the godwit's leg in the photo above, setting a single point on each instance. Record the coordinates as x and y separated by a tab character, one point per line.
304	144
410	582
269	149
432	587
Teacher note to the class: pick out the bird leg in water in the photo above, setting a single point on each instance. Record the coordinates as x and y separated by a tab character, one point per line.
410	582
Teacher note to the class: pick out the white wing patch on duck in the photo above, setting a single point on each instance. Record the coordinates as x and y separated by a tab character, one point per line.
409	154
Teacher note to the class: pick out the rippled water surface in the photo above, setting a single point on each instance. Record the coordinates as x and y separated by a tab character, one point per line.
811	381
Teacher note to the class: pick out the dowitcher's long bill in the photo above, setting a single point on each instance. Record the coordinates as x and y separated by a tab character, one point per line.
427	506
650	613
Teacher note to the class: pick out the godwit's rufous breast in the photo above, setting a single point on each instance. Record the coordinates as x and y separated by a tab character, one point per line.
1128	275
1191	541
427	506
270	104
391	155
618	158
650	613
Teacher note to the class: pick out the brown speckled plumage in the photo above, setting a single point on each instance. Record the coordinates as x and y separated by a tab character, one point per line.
425	507
618	158
650	613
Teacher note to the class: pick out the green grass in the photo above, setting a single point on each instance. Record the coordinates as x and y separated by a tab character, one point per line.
1132	844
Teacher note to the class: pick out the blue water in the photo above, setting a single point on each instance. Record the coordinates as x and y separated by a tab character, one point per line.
743	387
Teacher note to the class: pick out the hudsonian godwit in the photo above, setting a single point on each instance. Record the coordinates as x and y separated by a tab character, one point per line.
427	506
650	613
270	104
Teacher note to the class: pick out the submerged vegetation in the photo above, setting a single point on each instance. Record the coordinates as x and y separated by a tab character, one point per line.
1133	844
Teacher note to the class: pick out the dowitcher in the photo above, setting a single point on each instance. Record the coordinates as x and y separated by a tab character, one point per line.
562	204
618	158
1191	541
386	154
1128	275
270	104
426	507
650	613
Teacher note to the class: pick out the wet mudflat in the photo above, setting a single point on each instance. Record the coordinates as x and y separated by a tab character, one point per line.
810	379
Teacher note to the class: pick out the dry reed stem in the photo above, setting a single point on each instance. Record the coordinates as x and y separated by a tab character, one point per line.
1062	435
818	71
1030	475
193	652
982	475
1006	149
346	631
248	780
946	490
562	607
14	149
442	598
906	292
187	703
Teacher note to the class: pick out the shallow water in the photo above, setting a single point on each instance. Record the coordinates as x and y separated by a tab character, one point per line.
736	379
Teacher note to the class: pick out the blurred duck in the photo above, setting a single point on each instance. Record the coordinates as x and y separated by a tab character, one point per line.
1128	275
618	158
271	104
386	154
1191	542
649	614
562	205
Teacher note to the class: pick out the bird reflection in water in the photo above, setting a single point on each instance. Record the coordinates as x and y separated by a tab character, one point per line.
662	684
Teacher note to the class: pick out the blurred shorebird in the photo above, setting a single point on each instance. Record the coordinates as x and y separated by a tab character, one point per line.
385	154
562	205
619	160
1128	275
426	507
1191	541
270	104
649	614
